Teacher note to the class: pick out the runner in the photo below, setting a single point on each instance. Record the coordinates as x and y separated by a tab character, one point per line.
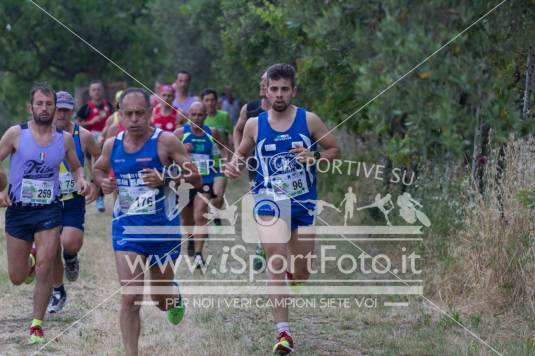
93	116
183	99
154	98
113	119
33	213
231	105
138	156
249	110
164	115
199	140
285	134
72	233
219	120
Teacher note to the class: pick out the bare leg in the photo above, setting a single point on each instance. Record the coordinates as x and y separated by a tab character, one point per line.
129	317
273	238
165	301
200	208
47	245
298	249
71	241
18	265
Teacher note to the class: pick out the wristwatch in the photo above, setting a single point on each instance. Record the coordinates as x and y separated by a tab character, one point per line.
317	155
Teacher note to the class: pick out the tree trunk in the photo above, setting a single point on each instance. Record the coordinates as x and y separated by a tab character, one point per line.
530	82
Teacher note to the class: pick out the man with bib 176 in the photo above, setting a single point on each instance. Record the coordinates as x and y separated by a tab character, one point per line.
145	226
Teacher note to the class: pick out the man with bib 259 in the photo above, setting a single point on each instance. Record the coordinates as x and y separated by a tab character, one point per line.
33	213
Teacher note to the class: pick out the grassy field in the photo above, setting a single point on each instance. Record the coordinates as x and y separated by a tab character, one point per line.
418	329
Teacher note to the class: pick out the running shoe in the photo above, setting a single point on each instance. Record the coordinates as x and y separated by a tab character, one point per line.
100	204
33	259
176	314
259	262
284	344
72	269
36	335
57	302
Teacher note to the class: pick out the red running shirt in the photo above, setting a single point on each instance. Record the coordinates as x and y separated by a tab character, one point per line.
164	122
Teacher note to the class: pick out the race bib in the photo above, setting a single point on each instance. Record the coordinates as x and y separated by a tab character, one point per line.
289	185
202	161
35	191
67	184
137	200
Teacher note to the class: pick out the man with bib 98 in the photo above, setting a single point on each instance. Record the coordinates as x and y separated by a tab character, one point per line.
285	140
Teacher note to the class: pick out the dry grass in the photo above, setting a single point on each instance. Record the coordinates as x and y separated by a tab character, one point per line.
493	252
415	330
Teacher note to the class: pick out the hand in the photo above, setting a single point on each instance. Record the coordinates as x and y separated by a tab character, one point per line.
303	155
151	178
92	195
189	147
108	185
231	169
4	199
82	186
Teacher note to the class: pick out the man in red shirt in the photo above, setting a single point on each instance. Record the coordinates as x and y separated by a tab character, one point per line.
93	116
164	115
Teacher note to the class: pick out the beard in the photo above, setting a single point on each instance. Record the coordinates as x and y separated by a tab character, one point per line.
43	119
279	106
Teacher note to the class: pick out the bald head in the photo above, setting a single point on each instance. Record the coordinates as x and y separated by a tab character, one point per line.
197	113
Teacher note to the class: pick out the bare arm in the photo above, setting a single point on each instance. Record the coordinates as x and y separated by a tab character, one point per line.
232	169
89	145
226	154
74	164
102	167
240	125
178	154
172	151
8	143
324	138
321	135
109	122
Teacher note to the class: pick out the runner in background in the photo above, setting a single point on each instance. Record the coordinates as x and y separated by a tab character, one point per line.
73	209
231	105
219	120
113	119
93	116
183	99
199	140
164	115
154	98
249	110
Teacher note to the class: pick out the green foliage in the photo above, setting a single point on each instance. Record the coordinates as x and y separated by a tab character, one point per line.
527	198
346	53
35	47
